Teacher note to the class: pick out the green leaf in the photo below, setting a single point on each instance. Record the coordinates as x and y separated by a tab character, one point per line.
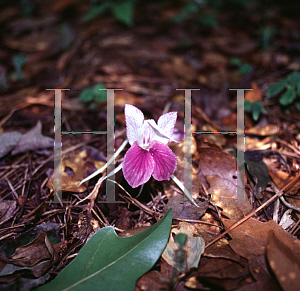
235	62
294	79
87	95
257	109
289	96
298	105
258	169
99	95
124	12
209	20
95	11
19	61
276	88
244	69
298	90
248	106
180	239
108	262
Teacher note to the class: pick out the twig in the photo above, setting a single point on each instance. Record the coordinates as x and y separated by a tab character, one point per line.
291	183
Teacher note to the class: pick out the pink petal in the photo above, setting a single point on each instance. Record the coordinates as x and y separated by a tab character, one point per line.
134	121
138	166
165	161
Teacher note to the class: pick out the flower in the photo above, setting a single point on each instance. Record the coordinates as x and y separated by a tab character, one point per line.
148	154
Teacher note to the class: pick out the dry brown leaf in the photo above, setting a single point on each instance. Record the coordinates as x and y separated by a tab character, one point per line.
178	150
281	178
219	169
152	281
189	211
283	255
250	237
225	273
219	249
25	257
32	253
260	272
270	129
33	140
7	210
255	94
79	165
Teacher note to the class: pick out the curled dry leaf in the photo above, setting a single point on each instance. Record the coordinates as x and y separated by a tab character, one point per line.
193	248
20	143
38	257
33	140
283	255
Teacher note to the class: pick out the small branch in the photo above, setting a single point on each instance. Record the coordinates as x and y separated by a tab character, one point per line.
278	194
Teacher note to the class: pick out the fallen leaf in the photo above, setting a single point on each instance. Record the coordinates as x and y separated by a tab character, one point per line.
224	273
219	170
74	169
152	281
283	255
8	141
7	210
29	261
185	211
193	248
33	140
32	253
250	237
255	94
270	129
219	249
281	178
259	270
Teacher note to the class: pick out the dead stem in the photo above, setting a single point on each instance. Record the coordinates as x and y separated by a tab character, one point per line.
278	194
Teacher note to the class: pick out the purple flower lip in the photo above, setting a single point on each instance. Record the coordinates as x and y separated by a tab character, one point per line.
149	154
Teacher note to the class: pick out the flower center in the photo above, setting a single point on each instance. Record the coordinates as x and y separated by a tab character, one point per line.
146	138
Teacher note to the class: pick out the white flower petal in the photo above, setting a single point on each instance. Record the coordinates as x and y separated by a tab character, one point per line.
167	122
134	123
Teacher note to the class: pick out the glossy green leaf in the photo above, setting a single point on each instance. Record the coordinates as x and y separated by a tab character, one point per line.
96	11
257	109
108	262
244	69
289	96
276	88
294	78
124	12
298	105
99	95
87	95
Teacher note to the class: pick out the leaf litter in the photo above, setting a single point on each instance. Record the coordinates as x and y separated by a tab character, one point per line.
150	60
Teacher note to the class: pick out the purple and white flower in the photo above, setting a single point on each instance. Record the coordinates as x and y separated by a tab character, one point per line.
149	154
